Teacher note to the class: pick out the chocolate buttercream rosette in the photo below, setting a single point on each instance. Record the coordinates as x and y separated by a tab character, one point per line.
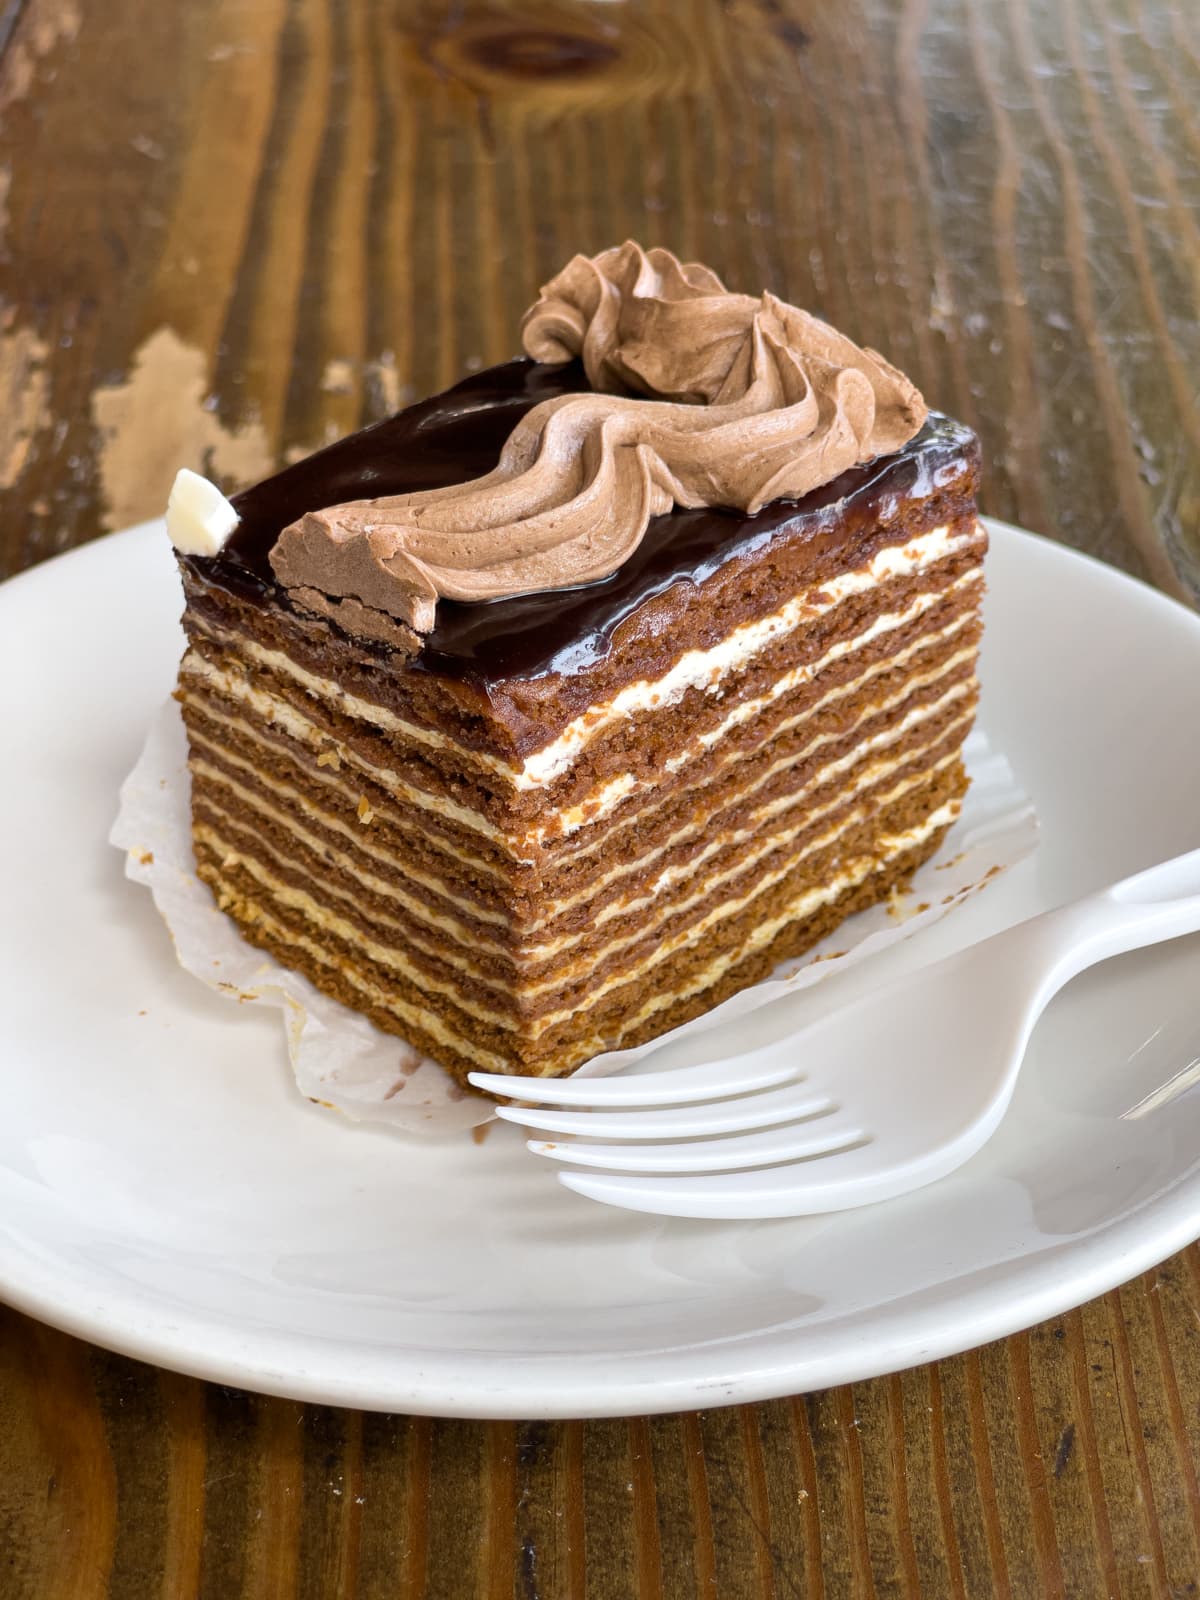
699	397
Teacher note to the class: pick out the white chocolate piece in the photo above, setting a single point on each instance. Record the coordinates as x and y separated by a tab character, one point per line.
199	517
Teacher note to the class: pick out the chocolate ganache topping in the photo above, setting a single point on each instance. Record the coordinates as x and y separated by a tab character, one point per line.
699	397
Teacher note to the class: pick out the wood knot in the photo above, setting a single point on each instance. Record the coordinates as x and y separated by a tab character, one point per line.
540	53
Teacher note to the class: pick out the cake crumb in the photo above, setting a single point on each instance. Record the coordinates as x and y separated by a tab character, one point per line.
240	995
146	857
365	814
330	758
899	907
481	1130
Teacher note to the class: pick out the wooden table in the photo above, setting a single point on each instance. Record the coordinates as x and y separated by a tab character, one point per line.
233	229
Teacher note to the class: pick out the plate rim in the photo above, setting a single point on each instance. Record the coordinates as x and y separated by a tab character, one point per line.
522	1396
510	1387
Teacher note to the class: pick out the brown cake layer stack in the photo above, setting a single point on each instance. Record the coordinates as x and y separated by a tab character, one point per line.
566	821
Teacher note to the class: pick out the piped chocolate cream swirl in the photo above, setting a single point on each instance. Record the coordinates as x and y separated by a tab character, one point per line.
701	398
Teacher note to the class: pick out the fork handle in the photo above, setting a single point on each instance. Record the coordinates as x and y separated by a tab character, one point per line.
1170	882
1163	902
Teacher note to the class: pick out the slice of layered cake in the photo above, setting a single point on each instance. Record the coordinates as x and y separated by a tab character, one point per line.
550	712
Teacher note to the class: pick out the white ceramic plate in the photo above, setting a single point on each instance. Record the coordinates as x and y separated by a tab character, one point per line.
165	1192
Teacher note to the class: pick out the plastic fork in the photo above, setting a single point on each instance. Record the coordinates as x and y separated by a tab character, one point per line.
885	1095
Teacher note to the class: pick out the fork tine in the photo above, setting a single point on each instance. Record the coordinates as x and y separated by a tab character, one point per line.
681	1086
708	1155
842	1180
791	1103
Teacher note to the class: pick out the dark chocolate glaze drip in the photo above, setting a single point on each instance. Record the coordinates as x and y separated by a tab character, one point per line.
458	435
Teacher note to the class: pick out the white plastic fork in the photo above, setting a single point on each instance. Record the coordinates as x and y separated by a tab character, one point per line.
886	1095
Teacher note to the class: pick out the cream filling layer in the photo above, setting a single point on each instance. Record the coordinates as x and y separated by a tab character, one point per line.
431	1024
606	797
707	669
405	868
927	643
872	778
323	778
250	733
805	905
696	669
399	868
418	1019
532	1027
282	714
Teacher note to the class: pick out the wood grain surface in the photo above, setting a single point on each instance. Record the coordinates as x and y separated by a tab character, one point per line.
233	229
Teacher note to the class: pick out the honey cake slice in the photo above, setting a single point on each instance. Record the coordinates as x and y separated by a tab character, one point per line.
564	821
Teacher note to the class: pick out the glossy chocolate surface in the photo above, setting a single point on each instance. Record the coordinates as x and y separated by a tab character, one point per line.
458	435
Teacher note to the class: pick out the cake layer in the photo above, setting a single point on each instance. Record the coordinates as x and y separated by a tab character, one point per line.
660	900
444	781
792	910
760	764
782	797
392	698
754	647
631	749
